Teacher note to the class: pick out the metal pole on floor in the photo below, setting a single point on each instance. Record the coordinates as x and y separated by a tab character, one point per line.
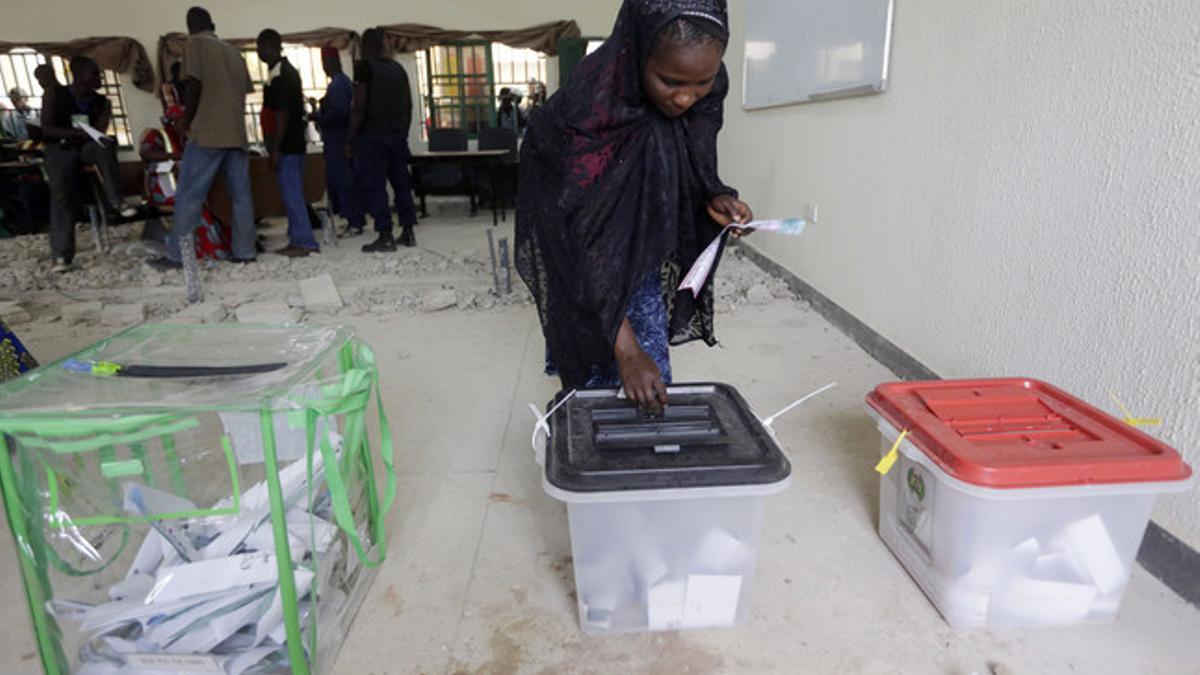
495	272
191	269
504	265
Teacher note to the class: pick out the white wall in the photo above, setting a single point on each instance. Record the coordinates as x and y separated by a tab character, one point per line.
146	21
1024	200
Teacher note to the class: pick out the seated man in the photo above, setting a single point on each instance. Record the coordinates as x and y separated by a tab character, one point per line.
14	124
68	147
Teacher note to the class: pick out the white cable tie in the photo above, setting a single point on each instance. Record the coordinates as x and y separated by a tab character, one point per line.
771	420
542	423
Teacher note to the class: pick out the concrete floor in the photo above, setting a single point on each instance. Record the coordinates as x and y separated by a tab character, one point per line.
479	577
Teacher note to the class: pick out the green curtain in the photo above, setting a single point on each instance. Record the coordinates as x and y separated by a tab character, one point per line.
571	51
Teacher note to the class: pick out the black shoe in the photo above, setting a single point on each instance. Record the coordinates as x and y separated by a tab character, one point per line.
381	245
243	261
293	251
164	264
407	238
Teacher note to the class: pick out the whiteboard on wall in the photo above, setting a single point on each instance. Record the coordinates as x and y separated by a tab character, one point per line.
800	51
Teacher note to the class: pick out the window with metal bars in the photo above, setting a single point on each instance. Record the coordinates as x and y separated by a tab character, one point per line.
16	70
306	60
460	83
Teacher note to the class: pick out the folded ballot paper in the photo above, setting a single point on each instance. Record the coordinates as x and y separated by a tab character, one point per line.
202	594
1072	575
702	268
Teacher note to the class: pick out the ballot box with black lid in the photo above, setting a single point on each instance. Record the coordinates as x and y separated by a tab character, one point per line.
665	510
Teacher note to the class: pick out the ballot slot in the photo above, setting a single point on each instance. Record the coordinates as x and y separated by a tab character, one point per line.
631	428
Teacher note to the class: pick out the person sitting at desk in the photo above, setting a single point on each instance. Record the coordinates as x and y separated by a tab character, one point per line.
15	123
73	109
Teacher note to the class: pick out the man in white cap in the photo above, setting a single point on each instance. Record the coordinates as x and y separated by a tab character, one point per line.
13	123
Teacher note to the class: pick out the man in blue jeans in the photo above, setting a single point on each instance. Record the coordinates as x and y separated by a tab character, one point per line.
283	122
379	141
215	101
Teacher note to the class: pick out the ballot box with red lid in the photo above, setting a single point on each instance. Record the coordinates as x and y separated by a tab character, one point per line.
1013	503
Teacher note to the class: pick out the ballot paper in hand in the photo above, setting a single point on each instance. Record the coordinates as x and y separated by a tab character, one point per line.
702	268
91	131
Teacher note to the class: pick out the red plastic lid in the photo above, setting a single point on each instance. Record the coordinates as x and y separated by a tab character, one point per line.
1016	433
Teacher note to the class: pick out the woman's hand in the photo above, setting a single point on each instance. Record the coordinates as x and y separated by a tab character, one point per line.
639	374
728	210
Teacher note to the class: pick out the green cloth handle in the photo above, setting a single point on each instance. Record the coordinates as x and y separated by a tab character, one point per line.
102	440
349	396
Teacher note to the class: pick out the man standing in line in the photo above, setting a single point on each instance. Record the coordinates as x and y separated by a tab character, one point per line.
333	120
283	122
215	101
378	140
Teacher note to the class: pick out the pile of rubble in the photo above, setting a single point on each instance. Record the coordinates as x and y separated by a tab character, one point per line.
119	289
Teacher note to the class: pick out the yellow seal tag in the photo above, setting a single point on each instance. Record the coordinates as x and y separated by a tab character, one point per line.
885	464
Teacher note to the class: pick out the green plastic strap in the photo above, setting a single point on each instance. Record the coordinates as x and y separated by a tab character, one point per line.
59	426
173	465
122	468
138	450
310	432
108	455
232	510
283	555
351	394
102	440
37	585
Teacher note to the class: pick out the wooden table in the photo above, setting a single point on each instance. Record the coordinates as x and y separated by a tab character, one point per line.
264	189
493	160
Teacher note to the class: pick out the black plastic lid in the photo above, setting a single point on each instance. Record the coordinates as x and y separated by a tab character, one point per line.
707	437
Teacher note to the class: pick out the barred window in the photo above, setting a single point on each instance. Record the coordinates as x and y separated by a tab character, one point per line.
16	70
460	83
306	60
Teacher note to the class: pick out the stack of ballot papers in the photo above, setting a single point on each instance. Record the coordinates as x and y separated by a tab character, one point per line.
202	594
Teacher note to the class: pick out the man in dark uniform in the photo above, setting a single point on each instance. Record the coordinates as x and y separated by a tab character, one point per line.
378	140
284	122
333	120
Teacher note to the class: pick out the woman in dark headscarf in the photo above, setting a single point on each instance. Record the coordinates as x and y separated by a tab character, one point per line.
619	195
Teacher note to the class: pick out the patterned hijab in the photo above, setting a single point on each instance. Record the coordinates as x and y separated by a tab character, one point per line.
612	191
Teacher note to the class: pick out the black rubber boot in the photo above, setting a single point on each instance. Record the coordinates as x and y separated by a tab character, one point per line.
407	238
383	244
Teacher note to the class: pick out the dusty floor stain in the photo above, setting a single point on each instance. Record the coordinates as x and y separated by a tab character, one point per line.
507	652
392	597
500	498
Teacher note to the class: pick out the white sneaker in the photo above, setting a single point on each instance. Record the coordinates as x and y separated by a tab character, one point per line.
61	266
127	211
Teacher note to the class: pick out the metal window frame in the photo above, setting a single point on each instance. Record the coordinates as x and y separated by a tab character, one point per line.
460	104
110	86
258	78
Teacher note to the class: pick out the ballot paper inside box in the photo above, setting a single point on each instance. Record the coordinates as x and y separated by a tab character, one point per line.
180	523
1017	505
